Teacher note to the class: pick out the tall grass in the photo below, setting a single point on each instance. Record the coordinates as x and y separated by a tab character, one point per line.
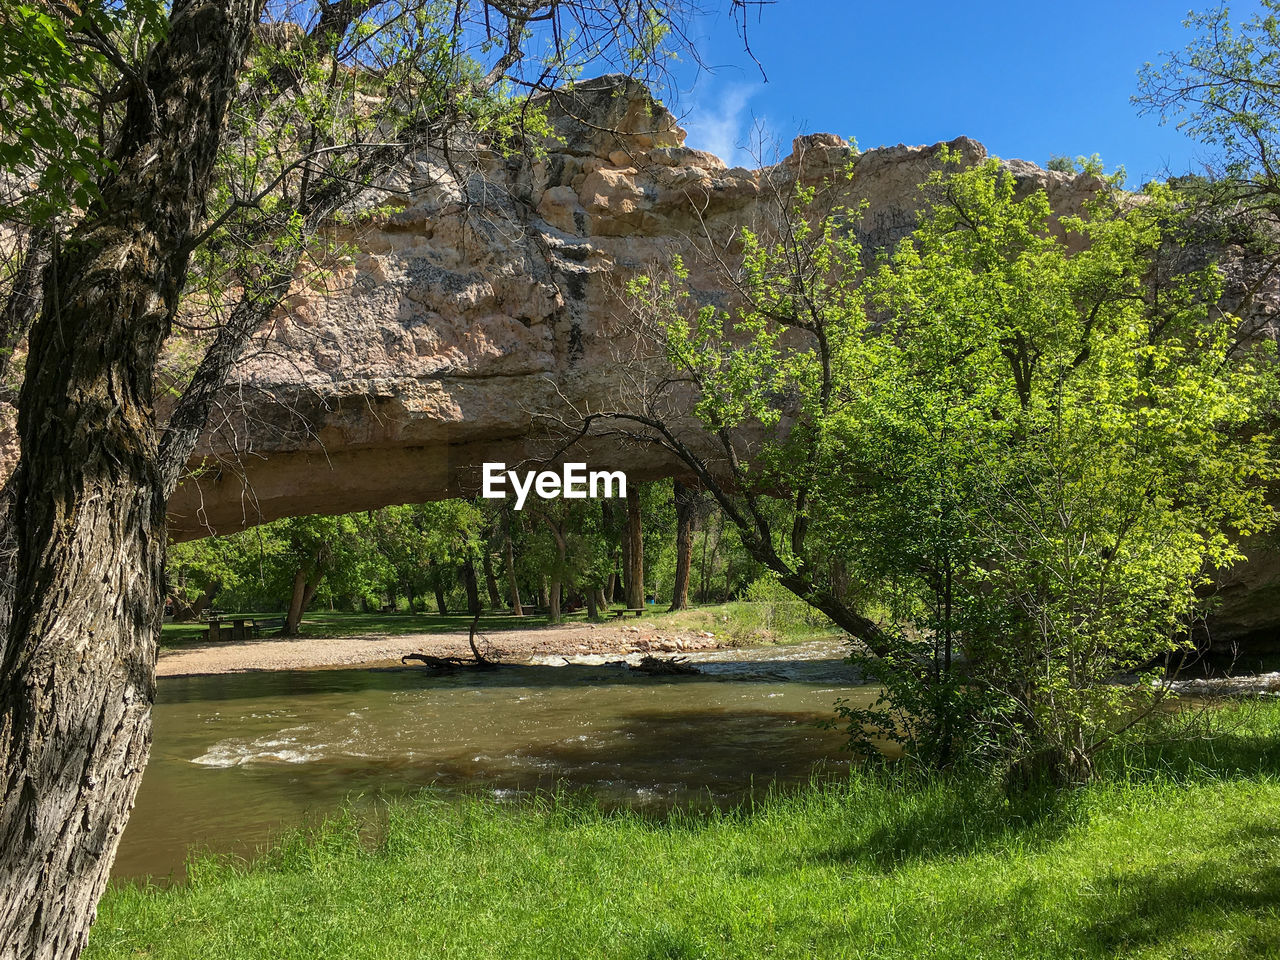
1173	852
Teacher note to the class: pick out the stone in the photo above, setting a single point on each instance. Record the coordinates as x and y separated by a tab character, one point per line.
489	300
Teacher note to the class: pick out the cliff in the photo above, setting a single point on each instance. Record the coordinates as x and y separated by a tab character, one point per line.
487	299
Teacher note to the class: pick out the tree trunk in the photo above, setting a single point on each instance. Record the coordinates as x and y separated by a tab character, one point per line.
635	549
609	529
553	600
491	581
624	575
77	678
23	303
840	581
557	575
543	600
593	605
472	586
686	500
601	603
184	612
441	606
513	587
297	603
308	595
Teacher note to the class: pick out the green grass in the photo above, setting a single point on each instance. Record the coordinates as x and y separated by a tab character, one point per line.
1173	852
738	620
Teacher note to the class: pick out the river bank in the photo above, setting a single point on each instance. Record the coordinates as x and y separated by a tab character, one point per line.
239	756
517	646
1171	852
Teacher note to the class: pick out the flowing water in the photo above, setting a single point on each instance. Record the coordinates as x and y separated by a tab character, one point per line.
239	757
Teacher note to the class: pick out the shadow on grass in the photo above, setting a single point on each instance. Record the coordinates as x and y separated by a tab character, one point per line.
931	818
954	817
1236	894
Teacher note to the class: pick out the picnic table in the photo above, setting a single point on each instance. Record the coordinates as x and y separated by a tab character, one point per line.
232	628
237	627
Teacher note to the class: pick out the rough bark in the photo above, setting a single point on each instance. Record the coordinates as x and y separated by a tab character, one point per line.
78	673
23	302
635	549
685	499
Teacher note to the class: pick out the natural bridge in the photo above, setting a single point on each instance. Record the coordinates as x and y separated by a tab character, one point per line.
487	298
490	297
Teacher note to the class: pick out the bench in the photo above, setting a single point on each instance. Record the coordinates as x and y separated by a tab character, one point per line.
267	623
638	611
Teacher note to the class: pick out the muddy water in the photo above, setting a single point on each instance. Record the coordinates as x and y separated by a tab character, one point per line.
237	758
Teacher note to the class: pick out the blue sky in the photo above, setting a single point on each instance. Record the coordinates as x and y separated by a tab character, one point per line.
1026	79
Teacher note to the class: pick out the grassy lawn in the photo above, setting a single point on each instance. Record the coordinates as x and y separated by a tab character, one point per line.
1174	852
739	620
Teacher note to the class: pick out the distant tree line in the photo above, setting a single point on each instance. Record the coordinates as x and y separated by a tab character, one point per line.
459	555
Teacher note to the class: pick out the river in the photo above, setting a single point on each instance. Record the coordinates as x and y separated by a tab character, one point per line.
237	758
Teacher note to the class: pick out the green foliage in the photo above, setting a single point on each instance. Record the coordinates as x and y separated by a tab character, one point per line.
1091	166
777	611
1040	451
1221	88
52	153
1050	461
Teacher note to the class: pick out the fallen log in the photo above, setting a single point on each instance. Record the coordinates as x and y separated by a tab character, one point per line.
656	666
478	661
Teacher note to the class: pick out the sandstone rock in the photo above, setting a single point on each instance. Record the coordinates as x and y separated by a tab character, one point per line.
489	299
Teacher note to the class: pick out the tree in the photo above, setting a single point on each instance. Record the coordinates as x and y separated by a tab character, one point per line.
317	549
686	500
1223	90
217	163
633	549
1030	456
1050	456
740	381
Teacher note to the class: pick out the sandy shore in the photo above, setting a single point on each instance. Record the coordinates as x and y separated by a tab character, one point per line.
509	645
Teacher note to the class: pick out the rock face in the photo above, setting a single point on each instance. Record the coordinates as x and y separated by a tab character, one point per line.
489	301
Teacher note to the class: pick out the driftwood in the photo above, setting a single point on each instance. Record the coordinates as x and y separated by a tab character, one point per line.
477	661
656	666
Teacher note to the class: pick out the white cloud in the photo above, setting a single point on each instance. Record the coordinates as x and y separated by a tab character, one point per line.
721	123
